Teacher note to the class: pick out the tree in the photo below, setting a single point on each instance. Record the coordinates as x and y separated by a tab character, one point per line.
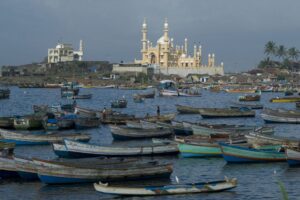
281	52
293	53
270	48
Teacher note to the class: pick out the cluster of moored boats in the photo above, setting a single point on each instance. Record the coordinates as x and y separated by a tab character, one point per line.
82	162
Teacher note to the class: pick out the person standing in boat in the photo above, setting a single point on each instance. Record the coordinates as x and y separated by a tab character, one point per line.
158	111
104	113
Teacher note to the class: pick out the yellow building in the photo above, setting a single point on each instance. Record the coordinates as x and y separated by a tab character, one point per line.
174	59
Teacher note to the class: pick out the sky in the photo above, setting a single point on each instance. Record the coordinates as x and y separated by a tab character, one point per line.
235	30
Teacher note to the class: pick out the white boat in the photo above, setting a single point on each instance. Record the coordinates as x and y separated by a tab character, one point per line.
204	187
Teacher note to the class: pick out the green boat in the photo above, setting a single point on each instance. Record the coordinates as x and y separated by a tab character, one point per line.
239	154
190	150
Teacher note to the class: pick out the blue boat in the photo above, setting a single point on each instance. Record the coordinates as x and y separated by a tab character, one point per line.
293	157
26	168
238	154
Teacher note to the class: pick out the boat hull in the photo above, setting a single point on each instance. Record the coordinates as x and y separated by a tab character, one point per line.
237	154
199	150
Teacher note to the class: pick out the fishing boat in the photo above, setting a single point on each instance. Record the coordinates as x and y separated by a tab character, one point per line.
239	154
187	109
258	138
150	95
31	139
226	112
281	116
241	90
121	103
4	93
81	96
86	112
98	150
168	88
58	124
285	99
190	150
189	188
249	98
28	122
288	93
138	99
8	167
6	122
160	118
237	105
177	127
51	172
85	123
293	156
26	168
125	133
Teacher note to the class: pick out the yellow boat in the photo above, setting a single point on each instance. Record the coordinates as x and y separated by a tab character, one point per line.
285	99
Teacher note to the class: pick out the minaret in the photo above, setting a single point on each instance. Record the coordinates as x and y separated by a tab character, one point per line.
166	45
172	42
213	60
144	41
166	30
80	52
195	51
185	46
209	60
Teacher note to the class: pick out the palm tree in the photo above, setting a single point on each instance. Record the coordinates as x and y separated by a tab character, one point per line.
281	52
270	48
293	53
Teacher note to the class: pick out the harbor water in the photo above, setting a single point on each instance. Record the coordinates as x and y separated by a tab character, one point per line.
255	181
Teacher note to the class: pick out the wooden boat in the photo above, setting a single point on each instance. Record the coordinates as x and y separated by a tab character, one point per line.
52	172
85	123
81	96
177	127
257	138
125	133
6	122
292	156
150	95
215	89
138	99
4	93
31	139
28	122
161	118
6	148
249	98
285	99
86	112
226	112
192	188
26	168
56	124
122	103
187	109
288	93
238	154
237	105
97	150
281	116
117	118
241	90
8	167
189	150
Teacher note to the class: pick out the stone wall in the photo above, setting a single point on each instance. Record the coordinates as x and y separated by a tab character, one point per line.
183	72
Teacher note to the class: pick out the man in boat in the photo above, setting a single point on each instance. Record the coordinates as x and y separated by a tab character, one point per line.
104	113
158	111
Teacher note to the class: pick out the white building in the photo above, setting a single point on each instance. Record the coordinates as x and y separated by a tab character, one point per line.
64	53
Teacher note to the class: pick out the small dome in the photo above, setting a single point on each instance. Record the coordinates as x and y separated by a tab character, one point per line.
183	55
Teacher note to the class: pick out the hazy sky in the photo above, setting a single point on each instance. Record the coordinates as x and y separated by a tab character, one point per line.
235	30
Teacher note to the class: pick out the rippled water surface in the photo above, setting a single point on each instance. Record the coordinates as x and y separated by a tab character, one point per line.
255	181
